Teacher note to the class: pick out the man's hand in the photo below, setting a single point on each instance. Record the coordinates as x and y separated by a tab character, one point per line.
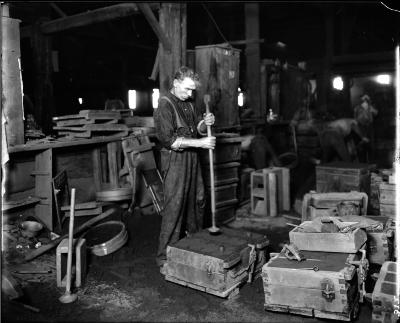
209	119
207	142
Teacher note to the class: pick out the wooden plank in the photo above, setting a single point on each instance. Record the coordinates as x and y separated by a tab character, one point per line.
68	143
97	173
43	189
252	53
100	114
87	212
81	206
299	297
105	127
171	20
67	117
43	81
73	122
91	17
11	88
349	242
10	205
69	129
113	171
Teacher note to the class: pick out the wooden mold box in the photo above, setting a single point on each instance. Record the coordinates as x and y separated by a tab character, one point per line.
342	177
384	293
332	292
349	242
216	264
381	243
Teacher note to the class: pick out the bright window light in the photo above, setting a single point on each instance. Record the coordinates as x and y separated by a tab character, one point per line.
155	96
338	83
132	99
240	99
383	79
80	100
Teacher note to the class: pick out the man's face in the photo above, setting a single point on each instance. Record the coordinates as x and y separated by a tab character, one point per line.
183	90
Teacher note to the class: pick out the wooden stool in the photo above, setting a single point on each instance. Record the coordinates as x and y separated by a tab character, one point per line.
79	258
263	194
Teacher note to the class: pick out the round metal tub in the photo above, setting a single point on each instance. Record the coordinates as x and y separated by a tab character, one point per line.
106	238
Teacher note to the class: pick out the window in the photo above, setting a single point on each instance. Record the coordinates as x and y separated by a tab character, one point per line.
155	96
132	99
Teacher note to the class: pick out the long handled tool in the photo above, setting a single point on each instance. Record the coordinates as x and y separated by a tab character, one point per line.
37	252
213	229
68	297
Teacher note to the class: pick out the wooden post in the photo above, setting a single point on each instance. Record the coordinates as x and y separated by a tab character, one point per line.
173	22
43	91
43	175
11	82
252	52
323	81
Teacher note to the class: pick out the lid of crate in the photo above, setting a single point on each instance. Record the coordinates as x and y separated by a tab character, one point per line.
342	164
326	261
227	246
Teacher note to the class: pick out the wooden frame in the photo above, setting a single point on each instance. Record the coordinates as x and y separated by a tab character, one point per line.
61	190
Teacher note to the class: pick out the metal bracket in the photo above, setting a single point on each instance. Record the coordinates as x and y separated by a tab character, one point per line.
327	289
362	270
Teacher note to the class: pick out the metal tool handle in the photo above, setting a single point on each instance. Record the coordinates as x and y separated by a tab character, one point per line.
70	240
211	158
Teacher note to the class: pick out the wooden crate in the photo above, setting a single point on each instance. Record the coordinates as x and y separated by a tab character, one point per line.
327	204
226	150
342	177
331	292
387	199
225	214
218	70
350	242
282	186
380	243
244	188
219	264
226	173
384	294
264	200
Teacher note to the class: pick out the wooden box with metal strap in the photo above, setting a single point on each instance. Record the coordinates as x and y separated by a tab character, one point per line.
322	284
216	264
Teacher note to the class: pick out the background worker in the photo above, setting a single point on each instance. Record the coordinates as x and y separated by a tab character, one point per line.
364	113
178	125
336	139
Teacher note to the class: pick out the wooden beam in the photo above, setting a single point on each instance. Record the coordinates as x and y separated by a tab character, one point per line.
91	17
156	67
171	21
252	52
43	84
244	42
152	20
57	9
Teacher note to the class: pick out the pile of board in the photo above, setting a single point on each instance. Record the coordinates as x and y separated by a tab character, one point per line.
90	123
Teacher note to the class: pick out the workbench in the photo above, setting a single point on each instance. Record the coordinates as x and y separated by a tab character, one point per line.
105	159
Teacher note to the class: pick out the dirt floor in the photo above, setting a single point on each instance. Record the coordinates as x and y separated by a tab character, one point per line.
126	286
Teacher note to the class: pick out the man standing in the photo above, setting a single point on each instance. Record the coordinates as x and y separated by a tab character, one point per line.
364	113
177	125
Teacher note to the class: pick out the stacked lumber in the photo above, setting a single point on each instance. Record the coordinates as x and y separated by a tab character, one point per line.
142	124
90	123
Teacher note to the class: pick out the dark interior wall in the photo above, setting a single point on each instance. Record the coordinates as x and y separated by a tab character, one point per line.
105	60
